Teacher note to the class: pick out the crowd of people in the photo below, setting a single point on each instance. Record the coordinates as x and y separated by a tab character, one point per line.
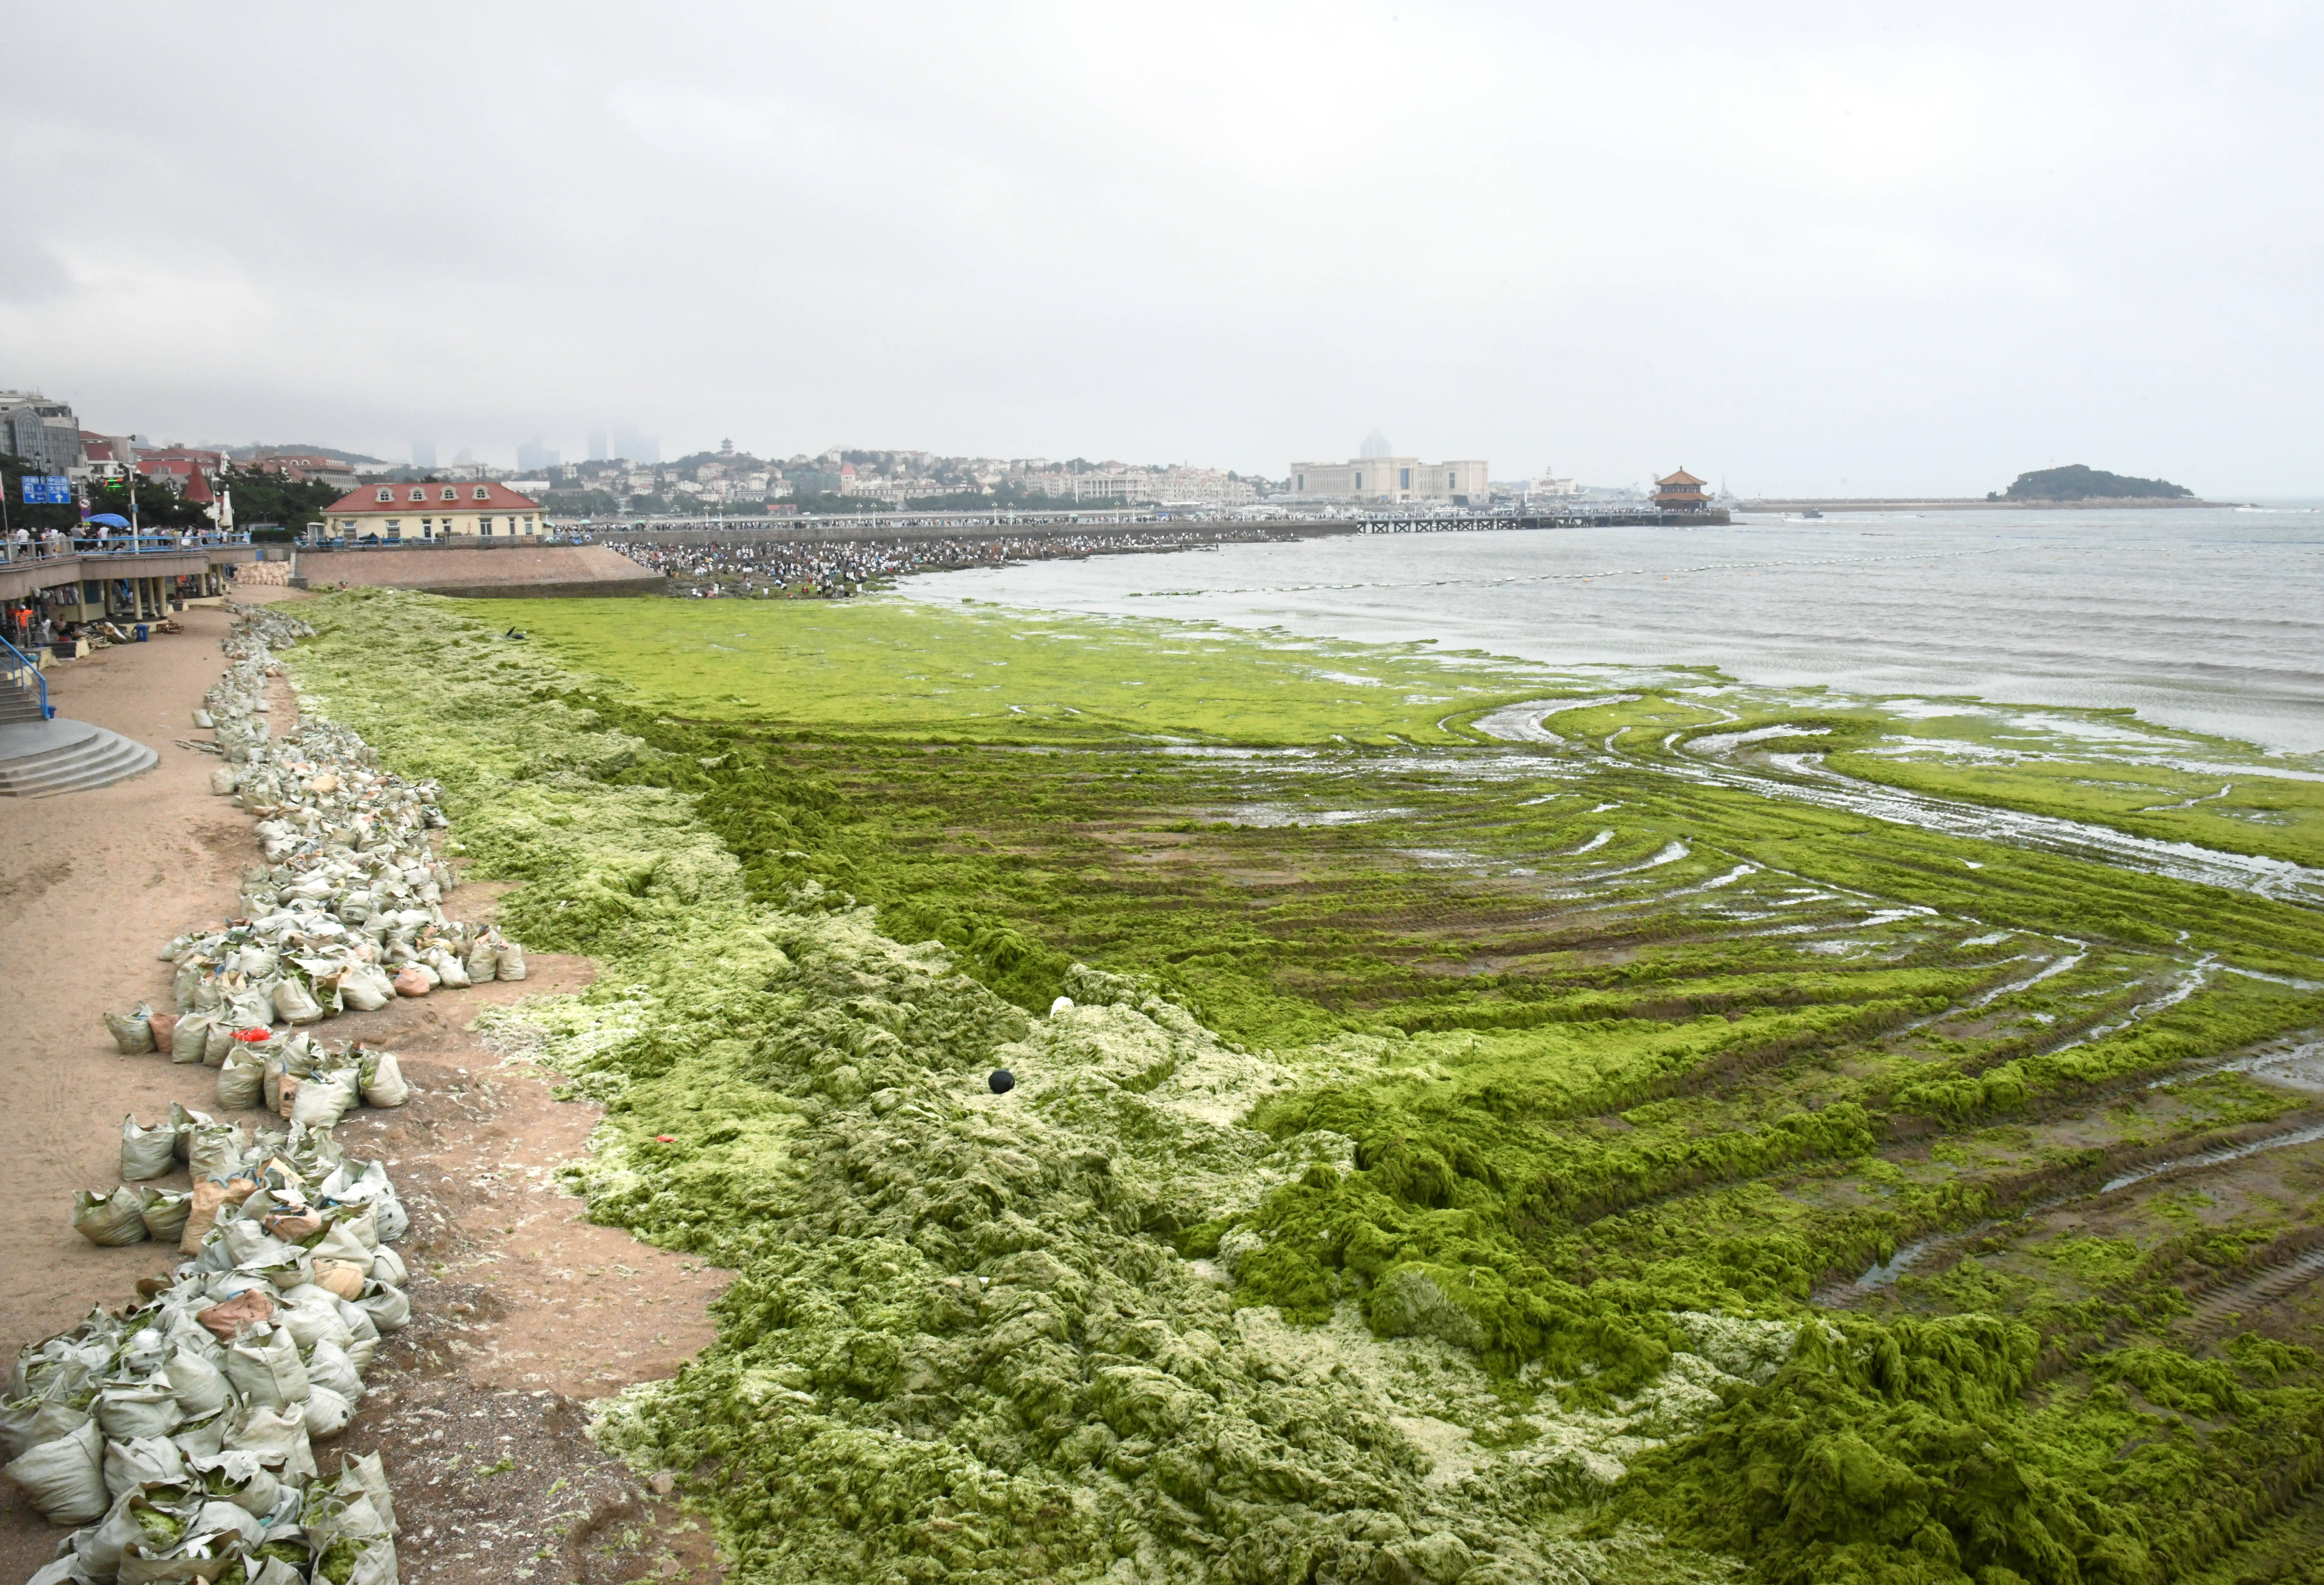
833	569
25	545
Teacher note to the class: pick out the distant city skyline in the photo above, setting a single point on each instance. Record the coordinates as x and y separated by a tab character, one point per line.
1808	247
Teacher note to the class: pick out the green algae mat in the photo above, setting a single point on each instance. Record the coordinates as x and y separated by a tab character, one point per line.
1501	1124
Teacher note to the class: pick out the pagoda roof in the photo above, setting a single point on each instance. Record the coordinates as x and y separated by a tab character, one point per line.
1682	478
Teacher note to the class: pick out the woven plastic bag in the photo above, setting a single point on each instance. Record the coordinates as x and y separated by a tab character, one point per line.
241	1480
110	1220
165	1214
133	1032
511	961
139	1462
211	1197
268	1374
323	1098
200	1438
383	1081
228	1318
242	1082
190	1038
147	1152
278	1437
252	1007
295	1003
137	1408
328	1412
26	1422
369	1475
388	1309
364	989
64	1480
183	1121
215	1150
328	1364
201	1386
310	1315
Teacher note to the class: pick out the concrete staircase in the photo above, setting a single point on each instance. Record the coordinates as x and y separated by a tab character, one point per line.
20	703
39	759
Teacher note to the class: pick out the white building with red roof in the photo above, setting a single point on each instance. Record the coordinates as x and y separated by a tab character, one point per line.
434	511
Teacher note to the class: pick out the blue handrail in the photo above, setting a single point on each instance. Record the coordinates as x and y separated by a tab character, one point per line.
16	660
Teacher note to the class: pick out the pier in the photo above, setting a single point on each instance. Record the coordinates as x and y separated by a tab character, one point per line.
964	525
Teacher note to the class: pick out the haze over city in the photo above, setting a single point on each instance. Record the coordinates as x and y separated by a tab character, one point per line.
1798	249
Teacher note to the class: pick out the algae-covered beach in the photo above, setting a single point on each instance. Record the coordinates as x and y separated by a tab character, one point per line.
1500	1123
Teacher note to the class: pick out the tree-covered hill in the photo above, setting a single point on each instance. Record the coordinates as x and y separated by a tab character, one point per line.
2077	482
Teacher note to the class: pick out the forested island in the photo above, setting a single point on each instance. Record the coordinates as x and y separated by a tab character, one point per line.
2077	482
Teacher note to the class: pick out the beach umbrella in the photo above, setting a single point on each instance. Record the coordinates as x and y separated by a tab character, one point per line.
110	519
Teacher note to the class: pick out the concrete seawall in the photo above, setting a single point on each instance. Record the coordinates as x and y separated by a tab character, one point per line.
478	572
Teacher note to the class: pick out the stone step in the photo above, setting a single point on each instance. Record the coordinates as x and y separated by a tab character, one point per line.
19	703
77	758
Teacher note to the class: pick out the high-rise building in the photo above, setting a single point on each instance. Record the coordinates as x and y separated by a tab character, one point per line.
634	447
597	453
423	454
532	457
43	432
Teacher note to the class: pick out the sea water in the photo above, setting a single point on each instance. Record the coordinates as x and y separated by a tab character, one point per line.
2209	618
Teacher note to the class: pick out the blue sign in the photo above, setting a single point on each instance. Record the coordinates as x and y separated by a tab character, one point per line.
47	490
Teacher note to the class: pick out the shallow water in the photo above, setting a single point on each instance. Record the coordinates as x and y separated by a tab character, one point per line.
2210	619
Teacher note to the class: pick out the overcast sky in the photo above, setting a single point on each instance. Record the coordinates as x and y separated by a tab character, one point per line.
1794	247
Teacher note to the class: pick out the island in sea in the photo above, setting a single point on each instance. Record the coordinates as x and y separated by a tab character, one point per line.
2077	482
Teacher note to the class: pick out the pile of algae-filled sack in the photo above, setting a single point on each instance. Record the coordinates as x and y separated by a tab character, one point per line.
178	1434
962	1344
346	912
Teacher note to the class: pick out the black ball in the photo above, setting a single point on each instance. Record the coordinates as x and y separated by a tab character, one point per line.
1003	1081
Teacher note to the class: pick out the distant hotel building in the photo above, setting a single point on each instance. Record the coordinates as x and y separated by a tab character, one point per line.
434	512
1168	486
43	432
1377	479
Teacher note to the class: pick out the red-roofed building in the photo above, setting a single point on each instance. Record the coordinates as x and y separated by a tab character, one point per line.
198	488
213	461
1681	492
177	472
108	455
433	512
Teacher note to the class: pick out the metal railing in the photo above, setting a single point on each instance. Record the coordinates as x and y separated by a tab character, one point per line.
19	670
123	544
